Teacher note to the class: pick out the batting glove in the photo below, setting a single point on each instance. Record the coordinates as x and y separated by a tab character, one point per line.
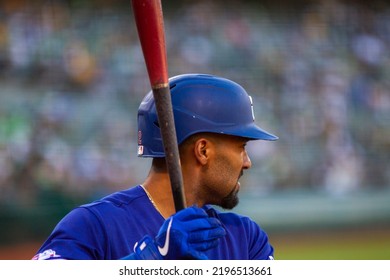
185	235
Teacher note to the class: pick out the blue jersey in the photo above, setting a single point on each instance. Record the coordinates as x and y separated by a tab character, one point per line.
109	228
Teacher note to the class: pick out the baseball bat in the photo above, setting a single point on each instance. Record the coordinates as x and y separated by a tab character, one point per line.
149	21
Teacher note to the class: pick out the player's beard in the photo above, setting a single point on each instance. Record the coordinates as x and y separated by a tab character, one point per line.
231	200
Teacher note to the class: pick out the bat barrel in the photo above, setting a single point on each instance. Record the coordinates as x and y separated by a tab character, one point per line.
150	25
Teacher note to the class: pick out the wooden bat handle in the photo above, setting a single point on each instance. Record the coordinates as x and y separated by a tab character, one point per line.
162	98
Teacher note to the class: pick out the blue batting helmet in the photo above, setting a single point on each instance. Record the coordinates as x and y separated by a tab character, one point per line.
201	103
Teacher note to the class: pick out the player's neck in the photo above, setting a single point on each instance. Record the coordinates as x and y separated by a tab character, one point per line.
158	186
159	191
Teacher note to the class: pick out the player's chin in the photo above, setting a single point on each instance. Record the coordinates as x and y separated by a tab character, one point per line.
231	200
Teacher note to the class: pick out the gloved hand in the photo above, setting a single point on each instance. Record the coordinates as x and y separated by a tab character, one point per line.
185	235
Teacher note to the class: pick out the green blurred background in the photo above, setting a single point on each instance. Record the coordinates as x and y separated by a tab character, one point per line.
72	76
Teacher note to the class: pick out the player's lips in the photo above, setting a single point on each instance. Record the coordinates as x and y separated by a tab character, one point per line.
238	186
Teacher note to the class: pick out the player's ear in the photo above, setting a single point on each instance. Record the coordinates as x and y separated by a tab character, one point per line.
202	150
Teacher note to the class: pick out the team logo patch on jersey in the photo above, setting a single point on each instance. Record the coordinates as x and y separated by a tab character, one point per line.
45	255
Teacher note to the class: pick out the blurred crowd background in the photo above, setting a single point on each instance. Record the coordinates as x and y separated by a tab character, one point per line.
72	76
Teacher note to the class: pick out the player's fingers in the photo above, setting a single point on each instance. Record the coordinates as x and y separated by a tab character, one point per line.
200	224
206	235
190	213
196	255
205	245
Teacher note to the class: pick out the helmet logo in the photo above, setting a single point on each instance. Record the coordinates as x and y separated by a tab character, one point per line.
253	111
140	150
140	146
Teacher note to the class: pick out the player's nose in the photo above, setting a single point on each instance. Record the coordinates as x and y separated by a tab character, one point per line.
247	161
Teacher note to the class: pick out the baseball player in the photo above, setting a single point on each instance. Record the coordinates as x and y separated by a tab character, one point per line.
214	120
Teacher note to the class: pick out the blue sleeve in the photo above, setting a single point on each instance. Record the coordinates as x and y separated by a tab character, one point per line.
78	236
245	240
259	245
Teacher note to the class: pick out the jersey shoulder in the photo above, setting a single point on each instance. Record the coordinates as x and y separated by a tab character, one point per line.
229	217
245	239
127	204
106	225
120	198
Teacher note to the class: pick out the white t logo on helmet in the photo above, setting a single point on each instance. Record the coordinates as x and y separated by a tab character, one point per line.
253	111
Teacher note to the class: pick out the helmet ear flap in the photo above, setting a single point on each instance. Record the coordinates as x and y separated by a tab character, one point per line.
149	137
